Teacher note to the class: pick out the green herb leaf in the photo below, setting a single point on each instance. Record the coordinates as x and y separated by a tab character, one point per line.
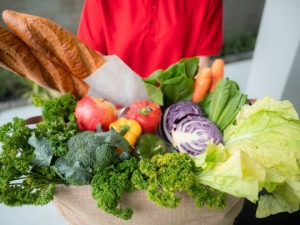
43	150
191	66
176	83
177	91
114	139
75	174
155	94
219	99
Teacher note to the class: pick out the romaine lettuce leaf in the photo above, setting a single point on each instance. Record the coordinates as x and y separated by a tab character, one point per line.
262	151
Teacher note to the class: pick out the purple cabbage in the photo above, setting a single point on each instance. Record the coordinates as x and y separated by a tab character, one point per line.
192	134
174	114
185	126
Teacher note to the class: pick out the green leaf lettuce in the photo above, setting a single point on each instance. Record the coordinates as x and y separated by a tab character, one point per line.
260	152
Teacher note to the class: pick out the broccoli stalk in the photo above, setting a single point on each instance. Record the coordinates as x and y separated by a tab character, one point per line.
163	175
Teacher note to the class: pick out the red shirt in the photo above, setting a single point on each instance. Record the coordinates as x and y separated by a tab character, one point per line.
152	34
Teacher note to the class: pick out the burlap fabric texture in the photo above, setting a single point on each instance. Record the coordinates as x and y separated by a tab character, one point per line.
77	206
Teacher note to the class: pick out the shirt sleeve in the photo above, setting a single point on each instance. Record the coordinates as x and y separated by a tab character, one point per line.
211	37
90	29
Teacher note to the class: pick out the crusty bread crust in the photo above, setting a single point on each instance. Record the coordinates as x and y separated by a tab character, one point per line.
42	51
17	57
54	42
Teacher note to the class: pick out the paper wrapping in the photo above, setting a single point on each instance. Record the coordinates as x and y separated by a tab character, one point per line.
117	83
77	206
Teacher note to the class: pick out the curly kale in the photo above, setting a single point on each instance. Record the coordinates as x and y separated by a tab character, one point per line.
164	175
59	121
111	184
20	182
56	108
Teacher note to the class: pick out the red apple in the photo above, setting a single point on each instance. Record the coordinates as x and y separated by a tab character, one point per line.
91	111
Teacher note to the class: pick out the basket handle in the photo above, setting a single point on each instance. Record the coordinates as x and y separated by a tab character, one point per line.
33	120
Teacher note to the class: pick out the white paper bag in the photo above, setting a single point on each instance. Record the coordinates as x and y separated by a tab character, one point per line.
117	83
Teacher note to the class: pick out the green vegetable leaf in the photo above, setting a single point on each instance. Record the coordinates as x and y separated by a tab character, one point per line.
175	70
164	175
191	66
155	94
173	84
114	138
55	108
75	174
165	75
262	152
205	103
219	99
283	199
153	78
43	150
222	105
177	89
111	184
231	109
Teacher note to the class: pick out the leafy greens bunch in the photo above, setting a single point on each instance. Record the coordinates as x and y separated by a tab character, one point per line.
260	154
174	84
89	153
223	104
34	159
162	176
23	181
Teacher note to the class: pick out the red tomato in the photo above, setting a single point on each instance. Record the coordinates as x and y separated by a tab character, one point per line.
146	113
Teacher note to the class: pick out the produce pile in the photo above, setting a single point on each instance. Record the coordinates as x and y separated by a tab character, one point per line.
201	136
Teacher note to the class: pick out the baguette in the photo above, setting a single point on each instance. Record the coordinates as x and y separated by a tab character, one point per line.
54	42
17	57
66	83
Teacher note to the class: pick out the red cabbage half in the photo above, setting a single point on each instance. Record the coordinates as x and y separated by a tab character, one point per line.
192	134
174	114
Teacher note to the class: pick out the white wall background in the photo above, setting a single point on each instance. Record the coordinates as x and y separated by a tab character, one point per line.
275	68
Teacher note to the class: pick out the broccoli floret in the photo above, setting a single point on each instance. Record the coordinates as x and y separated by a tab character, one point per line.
164	175
104	156
109	186
89	151
87	154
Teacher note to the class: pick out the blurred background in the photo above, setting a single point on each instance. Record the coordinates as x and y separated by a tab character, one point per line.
261	51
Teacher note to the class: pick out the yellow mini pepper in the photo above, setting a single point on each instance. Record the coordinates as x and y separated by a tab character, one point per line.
130	129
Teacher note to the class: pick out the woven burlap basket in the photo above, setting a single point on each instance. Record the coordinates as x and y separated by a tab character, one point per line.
77	206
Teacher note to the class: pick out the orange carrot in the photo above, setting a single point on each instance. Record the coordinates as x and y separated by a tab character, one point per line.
217	72
202	84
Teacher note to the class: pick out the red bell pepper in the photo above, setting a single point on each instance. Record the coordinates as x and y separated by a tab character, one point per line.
146	113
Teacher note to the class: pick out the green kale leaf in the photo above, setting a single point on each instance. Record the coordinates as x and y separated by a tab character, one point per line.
74	173
109	185
164	175
43	151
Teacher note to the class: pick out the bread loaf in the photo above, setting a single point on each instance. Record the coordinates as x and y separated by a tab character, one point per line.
54	42
17	57
66	83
